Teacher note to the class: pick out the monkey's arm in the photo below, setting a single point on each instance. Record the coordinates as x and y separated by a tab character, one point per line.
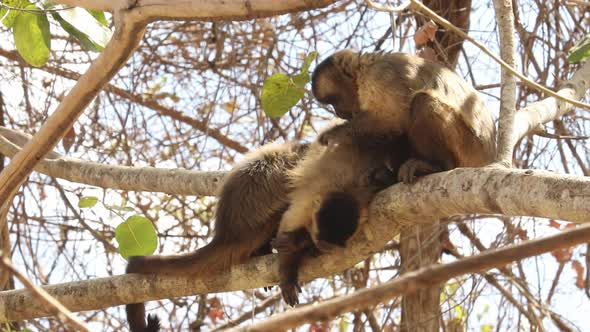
358	128
292	247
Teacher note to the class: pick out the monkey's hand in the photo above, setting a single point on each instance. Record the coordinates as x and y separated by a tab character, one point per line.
335	135
412	167
290	292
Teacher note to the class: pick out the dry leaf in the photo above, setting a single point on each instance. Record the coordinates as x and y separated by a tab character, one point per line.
69	139
522	233
425	33
579	269
554	224
562	255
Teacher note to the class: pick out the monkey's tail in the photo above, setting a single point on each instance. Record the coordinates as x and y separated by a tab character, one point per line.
211	258
215	257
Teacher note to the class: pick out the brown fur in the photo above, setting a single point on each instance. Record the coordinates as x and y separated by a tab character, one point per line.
332	189
384	94
251	201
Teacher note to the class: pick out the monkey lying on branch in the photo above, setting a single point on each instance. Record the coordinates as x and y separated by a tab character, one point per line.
334	183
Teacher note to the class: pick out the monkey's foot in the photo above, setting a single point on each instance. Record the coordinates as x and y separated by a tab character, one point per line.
412	167
290	292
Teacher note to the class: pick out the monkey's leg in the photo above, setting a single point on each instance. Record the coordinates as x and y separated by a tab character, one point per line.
437	136
292	247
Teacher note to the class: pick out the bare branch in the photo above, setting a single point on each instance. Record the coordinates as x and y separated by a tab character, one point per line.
505	23
171	181
475	190
202	9
413	281
548	109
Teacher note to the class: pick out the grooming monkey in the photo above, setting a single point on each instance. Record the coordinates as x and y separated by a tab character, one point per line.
383	94
333	186
252	199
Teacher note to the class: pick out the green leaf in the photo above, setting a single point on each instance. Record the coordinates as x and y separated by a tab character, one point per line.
279	94
82	25
9	15
87	202
25	330
82	38
136	237
99	16
580	51
307	62
31	37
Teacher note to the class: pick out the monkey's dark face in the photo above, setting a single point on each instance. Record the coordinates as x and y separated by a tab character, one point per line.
333	87
336	221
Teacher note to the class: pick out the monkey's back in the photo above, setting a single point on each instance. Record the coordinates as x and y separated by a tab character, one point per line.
256	190
395	78
344	167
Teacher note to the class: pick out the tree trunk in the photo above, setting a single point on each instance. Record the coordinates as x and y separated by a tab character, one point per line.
420	245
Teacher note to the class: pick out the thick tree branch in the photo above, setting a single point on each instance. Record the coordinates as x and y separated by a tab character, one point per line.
414	281
205	10
506	141
484	190
171	181
548	109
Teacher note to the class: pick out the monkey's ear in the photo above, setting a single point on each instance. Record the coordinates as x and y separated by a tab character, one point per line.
337	218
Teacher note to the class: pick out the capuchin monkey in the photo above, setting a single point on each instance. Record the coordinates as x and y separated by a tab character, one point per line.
255	195
252	199
392	94
333	186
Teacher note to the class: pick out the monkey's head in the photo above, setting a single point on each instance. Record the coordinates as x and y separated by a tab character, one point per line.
337	219
334	82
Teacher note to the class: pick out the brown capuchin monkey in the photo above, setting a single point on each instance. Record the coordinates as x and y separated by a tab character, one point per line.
252	199
333	186
384	94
